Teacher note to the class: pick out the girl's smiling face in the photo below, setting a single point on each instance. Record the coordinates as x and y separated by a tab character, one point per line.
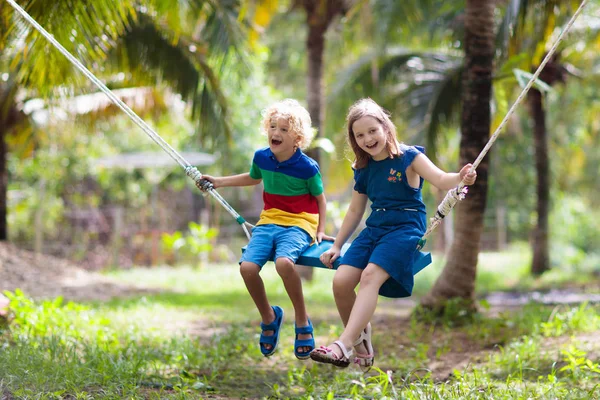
371	137
282	141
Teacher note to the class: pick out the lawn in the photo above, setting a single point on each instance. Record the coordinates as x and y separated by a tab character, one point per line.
197	337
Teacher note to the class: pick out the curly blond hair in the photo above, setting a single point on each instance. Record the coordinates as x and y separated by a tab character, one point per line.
297	117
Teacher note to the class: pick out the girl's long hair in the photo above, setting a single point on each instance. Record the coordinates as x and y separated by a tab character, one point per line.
368	108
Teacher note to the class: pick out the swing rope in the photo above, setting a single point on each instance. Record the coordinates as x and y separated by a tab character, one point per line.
447	204
458	193
190	170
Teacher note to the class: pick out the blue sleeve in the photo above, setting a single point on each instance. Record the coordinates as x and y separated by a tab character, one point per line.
410	152
360	184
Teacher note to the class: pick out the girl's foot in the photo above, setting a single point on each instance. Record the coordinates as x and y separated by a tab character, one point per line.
365	355
337	355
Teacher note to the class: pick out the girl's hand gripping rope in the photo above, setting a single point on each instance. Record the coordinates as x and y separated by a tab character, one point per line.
467	176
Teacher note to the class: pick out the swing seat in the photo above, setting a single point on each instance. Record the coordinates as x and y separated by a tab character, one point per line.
310	257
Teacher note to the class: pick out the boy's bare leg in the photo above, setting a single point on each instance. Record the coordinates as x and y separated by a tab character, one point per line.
251	274
293	286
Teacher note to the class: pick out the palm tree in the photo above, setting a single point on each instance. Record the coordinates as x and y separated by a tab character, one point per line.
533	24
458	277
43	68
151	39
319	16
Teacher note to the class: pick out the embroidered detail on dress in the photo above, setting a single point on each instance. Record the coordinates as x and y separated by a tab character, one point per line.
395	176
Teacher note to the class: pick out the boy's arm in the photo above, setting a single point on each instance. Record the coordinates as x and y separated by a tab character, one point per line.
233	180
322	204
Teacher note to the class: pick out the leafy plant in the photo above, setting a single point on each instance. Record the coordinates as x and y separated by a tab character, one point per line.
189	246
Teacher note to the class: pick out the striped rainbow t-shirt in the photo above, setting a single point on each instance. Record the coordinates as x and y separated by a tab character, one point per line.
290	188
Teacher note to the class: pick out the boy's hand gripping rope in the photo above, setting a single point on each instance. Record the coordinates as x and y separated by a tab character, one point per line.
459	192
190	171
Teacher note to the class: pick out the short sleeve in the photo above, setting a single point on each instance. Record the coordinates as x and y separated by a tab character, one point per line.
410	152
315	185
255	170
360	184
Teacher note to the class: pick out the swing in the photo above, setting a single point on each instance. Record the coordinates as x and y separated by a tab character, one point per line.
311	256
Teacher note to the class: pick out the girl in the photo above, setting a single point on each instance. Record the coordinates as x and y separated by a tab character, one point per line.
391	176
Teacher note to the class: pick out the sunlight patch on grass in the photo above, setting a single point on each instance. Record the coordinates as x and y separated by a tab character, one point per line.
217	291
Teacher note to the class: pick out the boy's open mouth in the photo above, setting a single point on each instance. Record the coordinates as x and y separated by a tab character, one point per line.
276	142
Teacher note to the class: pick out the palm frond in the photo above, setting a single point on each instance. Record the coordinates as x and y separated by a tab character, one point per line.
425	87
150	54
81	27
153	54
433	18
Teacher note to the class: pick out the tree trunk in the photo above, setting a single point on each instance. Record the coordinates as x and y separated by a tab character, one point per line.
9	116
319	15
315	47
3	181
541	257
458	277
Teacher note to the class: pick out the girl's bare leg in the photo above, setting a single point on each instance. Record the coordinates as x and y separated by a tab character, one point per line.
365	303
345	280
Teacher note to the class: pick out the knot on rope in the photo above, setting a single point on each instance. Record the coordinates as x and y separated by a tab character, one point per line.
450	200
196	175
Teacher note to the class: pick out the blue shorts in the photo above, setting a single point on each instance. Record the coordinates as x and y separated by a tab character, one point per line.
270	242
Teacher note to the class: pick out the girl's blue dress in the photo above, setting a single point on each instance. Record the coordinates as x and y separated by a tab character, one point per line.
396	224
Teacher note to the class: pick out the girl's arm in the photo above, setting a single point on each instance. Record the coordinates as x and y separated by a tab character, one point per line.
423	166
322	204
233	180
356	210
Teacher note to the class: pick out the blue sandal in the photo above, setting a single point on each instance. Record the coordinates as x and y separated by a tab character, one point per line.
274	338
310	343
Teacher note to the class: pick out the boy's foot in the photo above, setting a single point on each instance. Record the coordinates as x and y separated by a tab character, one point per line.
304	342
269	336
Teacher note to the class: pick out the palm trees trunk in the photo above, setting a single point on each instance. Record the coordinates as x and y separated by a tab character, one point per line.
319	15
458	277
3	182
8	117
541	257
315	47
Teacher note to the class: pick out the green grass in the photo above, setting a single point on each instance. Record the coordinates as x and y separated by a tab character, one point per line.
197	339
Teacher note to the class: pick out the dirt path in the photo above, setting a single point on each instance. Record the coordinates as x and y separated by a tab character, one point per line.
43	276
